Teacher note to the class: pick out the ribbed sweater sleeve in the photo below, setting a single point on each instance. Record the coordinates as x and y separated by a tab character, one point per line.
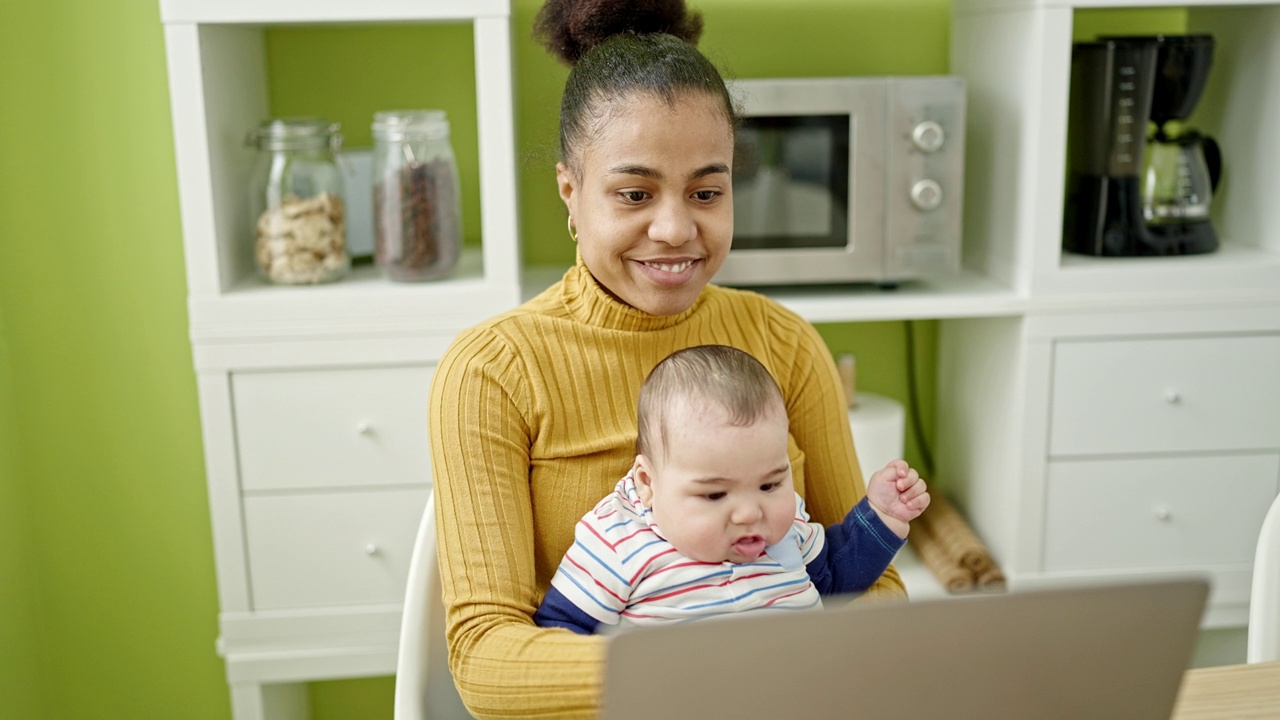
503	665
532	420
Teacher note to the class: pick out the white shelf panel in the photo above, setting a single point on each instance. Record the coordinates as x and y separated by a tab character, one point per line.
964	7
966	295
1231	273
267	12
364	304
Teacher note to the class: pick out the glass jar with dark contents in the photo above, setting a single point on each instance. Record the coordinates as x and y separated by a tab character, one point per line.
417	214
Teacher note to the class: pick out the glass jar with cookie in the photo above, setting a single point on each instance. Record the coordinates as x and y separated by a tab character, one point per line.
296	202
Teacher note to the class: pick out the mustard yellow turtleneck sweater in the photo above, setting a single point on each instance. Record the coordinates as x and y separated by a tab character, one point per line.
533	420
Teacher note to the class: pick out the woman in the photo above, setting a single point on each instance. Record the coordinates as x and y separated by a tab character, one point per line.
533	412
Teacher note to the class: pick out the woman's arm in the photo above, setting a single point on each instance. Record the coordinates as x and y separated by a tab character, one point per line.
503	665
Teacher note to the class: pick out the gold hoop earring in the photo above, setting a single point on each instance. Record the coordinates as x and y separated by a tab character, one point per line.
572	232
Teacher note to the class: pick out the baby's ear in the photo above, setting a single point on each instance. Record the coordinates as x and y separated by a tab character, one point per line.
642	473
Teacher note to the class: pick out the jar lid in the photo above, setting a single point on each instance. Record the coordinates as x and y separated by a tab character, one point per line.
410	124
295	134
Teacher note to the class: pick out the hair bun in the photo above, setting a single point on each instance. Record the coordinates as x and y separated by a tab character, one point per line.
569	28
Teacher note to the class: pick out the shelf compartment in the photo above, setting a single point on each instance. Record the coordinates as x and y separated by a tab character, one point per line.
1016	155
229	97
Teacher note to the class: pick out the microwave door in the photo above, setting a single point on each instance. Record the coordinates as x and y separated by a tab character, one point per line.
806	190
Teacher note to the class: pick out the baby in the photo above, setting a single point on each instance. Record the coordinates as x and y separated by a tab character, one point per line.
708	521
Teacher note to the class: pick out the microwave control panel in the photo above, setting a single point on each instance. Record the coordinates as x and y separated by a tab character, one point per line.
924	176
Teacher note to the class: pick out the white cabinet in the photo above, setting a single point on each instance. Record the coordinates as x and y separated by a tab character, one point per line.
313	399
1122	441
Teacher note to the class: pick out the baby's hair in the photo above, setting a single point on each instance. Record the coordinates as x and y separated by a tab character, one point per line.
621	48
714	374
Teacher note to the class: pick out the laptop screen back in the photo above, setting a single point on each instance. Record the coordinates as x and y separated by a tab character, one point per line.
1085	652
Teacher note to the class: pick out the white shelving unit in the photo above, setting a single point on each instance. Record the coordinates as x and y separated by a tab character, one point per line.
312	399
1101	431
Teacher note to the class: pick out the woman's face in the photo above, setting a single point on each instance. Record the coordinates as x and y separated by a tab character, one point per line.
652	200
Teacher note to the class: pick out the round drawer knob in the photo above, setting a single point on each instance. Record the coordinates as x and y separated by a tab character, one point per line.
926	195
1172	396
371	549
928	136
364	427
1163	514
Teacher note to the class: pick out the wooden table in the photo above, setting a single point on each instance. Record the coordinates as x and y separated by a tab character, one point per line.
1231	692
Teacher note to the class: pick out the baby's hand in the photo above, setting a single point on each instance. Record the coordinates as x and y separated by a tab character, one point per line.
897	493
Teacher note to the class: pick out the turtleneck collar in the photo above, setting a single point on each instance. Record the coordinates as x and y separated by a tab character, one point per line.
588	302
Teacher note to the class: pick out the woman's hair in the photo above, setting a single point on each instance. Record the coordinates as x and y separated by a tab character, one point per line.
618	49
717	375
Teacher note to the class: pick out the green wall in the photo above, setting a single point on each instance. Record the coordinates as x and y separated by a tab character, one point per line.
21	649
107	591
100	384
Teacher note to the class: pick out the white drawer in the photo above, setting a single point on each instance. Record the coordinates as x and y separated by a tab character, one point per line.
331	549
1157	512
332	428
1166	394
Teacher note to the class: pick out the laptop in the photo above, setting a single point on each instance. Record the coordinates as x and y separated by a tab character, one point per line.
1101	651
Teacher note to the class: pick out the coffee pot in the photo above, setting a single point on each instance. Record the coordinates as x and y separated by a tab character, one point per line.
1130	191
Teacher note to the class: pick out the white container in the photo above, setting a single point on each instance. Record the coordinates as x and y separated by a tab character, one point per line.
878	424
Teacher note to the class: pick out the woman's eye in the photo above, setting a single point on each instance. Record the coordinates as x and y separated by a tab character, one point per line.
634	196
706	195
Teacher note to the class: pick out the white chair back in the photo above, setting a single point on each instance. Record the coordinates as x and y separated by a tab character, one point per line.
424	686
1264	600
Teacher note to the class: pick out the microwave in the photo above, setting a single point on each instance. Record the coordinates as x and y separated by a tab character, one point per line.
846	180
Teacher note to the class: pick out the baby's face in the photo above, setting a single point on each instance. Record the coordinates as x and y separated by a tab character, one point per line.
720	492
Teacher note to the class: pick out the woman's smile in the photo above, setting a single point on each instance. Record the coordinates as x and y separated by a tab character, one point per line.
670	272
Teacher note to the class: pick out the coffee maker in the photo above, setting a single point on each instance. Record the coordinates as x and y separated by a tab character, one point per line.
1130	194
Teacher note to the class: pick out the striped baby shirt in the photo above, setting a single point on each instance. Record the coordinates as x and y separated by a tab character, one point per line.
621	571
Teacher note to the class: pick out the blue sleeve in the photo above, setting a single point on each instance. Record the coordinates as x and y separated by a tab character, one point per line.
557	610
856	552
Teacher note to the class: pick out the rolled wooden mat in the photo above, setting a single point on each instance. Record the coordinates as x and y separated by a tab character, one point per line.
992	579
950	529
935	556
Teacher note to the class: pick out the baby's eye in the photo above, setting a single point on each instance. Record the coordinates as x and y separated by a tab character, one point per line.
770	487
714	496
